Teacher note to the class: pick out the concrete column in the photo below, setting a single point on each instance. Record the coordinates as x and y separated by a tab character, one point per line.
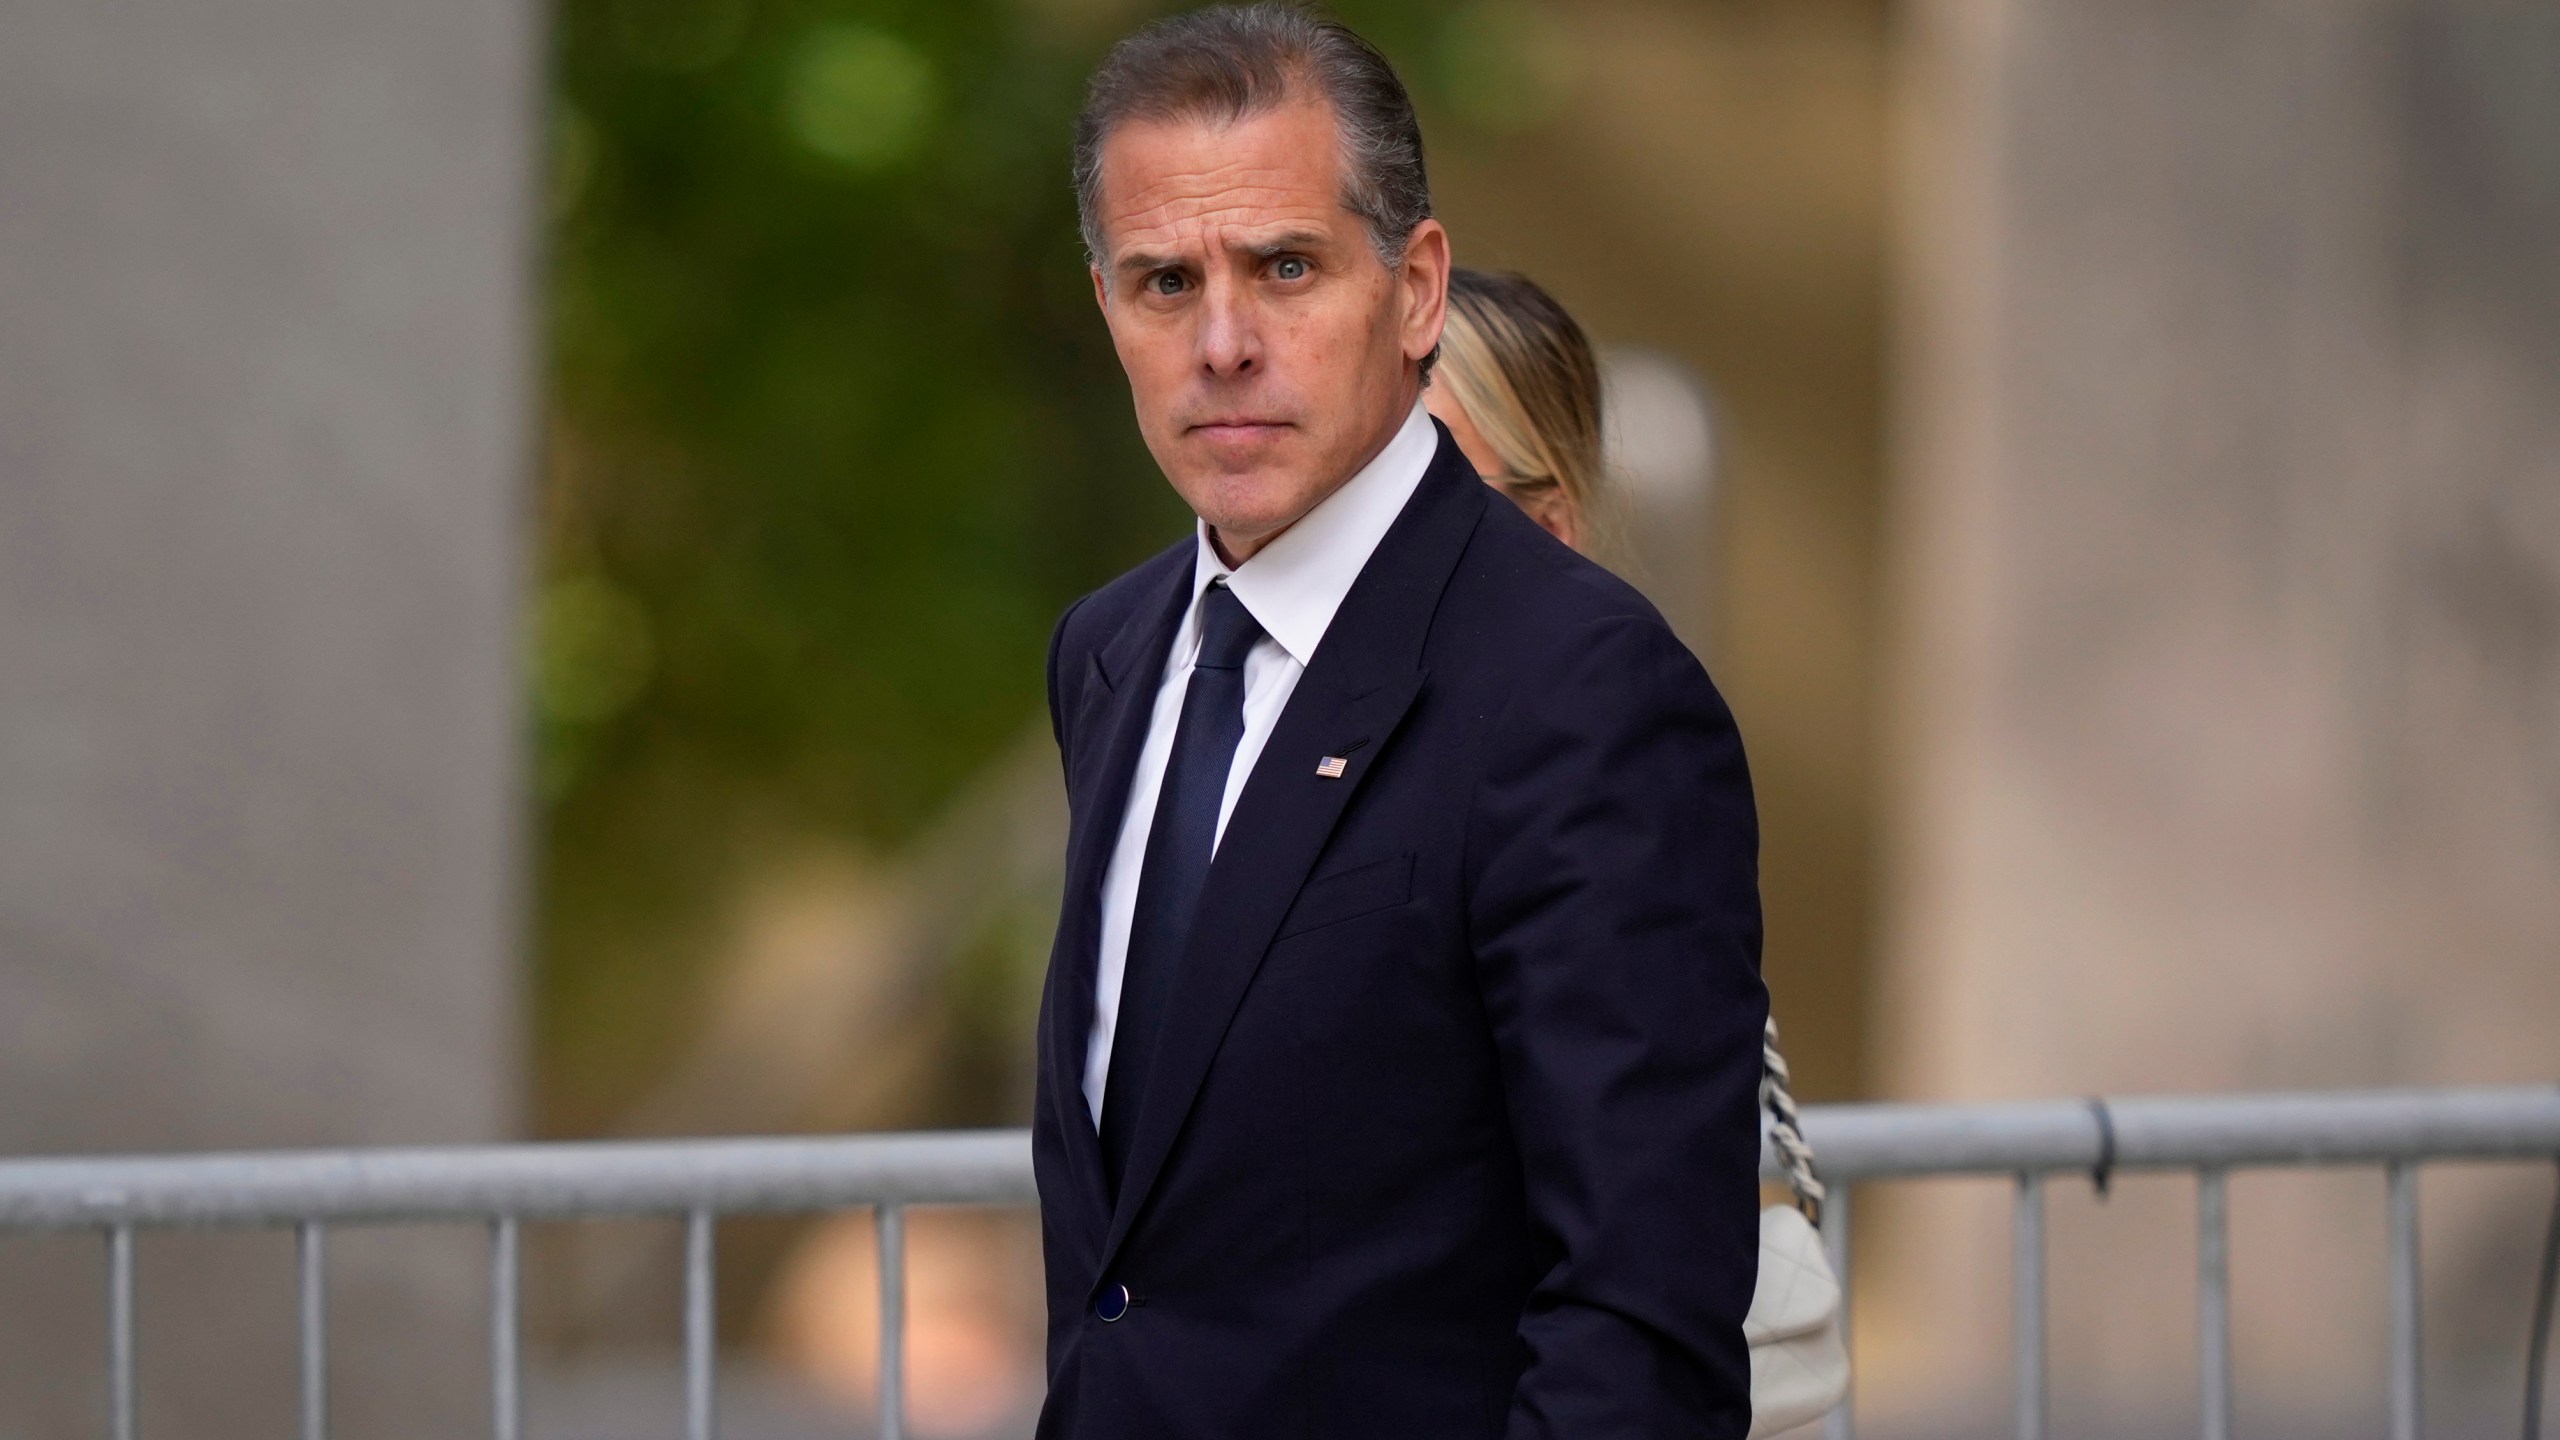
265	345
2228	534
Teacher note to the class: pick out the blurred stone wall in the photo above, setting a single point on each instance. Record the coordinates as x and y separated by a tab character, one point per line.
2227	547
264	341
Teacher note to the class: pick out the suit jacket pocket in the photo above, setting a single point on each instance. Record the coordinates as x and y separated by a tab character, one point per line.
1348	894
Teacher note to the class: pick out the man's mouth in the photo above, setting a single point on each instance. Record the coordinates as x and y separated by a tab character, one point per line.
1238	427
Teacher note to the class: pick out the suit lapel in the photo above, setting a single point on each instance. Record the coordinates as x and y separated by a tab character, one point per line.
1118	699
1365	675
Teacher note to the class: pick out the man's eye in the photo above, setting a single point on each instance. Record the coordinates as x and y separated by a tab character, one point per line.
1165	282
1289	267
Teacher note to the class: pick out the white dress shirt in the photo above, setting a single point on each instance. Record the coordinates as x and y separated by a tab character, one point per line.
1291	587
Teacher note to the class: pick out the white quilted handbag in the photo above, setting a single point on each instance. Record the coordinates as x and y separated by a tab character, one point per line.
1799	1367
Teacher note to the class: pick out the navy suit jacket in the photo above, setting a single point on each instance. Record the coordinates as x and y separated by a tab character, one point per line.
1451	1130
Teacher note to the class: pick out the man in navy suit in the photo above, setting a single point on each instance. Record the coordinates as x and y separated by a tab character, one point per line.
1400	1047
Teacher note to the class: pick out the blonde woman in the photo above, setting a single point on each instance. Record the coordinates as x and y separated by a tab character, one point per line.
1519	389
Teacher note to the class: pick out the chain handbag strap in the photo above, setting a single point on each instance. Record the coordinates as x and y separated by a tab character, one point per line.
1784	1131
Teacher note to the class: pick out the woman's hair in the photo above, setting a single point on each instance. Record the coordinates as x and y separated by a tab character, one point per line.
1524	373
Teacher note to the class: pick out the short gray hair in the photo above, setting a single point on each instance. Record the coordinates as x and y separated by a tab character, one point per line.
1225	63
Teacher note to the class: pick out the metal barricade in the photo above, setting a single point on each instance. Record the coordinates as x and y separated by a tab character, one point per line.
2208	1135
700	1181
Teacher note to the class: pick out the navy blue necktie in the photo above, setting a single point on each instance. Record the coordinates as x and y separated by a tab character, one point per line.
1177	859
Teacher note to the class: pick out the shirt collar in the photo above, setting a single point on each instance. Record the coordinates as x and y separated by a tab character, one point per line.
1293	585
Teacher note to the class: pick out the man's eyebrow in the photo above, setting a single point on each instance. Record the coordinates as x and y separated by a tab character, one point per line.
1139	262
1143	262
1287	243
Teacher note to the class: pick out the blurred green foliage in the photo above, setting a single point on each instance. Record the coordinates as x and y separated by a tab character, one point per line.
834	432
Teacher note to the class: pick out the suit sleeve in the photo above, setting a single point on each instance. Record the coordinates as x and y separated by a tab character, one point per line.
1615	916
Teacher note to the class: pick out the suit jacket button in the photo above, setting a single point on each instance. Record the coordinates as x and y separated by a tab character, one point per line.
1112	1303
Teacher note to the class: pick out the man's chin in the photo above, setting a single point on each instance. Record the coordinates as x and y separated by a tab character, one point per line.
1239	452
1248	509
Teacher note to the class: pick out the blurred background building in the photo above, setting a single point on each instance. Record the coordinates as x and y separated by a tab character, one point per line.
2225	643
527	536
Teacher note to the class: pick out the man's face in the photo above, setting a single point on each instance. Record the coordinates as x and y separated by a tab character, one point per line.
1270	352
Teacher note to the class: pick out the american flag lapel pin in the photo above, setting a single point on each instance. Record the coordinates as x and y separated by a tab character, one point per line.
1331	766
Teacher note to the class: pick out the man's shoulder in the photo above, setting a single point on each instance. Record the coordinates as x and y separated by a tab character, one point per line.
1521	591
1089	623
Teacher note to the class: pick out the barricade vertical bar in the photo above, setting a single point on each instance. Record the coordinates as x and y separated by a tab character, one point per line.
2213	1302
2405	1416
699	1416
1839	1424
120	1332
2027	1231
312	1255
893	1321
506	1404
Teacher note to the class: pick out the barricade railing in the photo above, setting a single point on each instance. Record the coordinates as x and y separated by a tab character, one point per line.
2209	1136
700	1181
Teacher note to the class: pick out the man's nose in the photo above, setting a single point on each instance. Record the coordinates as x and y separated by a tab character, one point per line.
1230	337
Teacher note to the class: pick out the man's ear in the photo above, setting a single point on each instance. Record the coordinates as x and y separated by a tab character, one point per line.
1101	296
1425	281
